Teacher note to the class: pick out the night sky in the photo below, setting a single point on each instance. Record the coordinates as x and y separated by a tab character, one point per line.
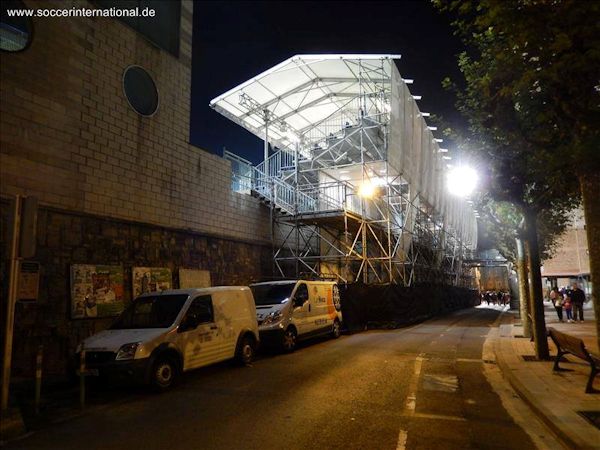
234	41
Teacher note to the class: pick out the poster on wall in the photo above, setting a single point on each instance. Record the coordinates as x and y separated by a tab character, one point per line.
150	279
194	278
96	291
29	281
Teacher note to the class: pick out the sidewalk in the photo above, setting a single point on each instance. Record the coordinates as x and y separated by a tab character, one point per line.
557	398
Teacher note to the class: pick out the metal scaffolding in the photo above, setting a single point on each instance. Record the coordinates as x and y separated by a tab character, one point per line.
356	180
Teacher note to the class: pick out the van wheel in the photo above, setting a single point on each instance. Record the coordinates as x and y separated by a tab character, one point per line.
288	342
164	374
246	351
336	329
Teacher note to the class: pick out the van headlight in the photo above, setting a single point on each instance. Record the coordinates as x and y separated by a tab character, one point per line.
127	351
273	317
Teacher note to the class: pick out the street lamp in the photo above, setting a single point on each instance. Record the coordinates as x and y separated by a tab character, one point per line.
462	181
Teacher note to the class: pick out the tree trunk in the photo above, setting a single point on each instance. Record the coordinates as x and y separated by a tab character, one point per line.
523	287
535	287
590	192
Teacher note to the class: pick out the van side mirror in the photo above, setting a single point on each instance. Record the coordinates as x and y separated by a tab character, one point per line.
189	322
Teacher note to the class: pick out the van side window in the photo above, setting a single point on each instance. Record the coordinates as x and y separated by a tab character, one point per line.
201	308
301	295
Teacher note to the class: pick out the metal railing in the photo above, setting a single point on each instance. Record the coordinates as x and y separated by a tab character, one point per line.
278	162
282	194
241	172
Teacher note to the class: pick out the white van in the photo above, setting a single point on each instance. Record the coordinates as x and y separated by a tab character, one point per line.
288	311
161	334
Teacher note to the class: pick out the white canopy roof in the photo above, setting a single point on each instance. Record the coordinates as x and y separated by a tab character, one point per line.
301	92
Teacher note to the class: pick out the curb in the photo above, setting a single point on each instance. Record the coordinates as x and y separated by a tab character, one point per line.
565	439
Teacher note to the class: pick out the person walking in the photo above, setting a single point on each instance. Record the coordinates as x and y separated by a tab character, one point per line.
567	306
578	299
557	300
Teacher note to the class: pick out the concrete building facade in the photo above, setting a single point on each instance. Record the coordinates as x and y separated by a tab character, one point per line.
114	187
571	258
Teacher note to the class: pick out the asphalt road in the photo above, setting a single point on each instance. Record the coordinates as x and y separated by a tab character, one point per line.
421	387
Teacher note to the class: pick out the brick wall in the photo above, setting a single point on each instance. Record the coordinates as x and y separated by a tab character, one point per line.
571	256
69	136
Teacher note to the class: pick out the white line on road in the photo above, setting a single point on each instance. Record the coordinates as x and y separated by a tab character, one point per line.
402	440
411	399
438	417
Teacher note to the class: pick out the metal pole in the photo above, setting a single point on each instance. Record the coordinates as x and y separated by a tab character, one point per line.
296	210
38	377
82	379
11	300
266	147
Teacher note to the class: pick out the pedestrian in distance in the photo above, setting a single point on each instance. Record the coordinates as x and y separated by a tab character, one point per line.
557	300
567	306
578	299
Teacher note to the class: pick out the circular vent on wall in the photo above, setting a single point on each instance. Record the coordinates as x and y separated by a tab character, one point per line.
140	90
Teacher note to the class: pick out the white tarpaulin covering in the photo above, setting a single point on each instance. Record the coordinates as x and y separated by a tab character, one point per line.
414	153
302	92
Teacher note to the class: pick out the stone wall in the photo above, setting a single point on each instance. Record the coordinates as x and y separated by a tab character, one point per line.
66	238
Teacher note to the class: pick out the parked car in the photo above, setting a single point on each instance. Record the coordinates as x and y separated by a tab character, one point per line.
162	334
292	310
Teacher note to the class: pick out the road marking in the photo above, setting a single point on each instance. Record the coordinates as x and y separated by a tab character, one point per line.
469	360
411	399
402	437
437	417
440	382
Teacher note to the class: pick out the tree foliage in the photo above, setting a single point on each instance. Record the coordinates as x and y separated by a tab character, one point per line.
532	100
500	222
531	95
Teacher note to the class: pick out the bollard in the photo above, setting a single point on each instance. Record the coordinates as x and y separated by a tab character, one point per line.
82	379
38	377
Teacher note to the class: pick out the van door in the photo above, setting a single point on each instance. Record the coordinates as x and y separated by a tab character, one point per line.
199	335
301	314
319	312
227	311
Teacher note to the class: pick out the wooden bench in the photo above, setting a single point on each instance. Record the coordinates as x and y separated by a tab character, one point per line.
576	347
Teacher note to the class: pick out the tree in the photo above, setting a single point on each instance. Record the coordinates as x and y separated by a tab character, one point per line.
531	98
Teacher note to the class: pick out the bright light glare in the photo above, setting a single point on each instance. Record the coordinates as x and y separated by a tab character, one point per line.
462	181
366	190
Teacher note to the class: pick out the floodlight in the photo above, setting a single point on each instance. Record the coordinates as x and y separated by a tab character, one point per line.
366	190
462	181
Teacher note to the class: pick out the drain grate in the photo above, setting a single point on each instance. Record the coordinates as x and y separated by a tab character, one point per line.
592	417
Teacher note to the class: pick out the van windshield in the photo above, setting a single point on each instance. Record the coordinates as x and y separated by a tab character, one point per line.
272	294
156	311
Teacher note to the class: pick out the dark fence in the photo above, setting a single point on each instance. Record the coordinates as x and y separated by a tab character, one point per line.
393	306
